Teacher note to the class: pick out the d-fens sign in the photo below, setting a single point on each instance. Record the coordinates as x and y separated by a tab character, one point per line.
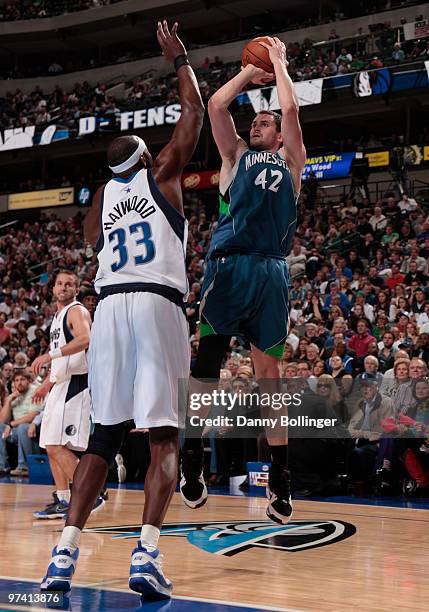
133	120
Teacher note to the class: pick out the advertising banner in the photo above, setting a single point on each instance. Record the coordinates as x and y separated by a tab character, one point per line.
418	29
334	165
208	179
41	199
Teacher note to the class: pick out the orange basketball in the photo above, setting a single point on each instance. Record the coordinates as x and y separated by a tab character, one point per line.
254	53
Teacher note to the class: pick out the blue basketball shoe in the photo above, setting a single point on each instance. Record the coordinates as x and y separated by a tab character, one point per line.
146	575
54	510
60	570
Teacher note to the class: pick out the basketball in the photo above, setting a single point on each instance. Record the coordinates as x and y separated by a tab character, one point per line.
254	53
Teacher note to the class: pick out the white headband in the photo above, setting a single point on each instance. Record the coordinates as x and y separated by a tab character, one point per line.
133	159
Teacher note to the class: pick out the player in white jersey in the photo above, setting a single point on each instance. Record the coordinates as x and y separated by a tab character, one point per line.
66	417
139	349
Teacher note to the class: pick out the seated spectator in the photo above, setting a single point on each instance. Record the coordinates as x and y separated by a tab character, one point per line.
421	349
386	355
318	369
312	334
335	292
342	379
395	277
407	204
297	260
413	445
398	55
359	341
327	388
16	416
7	373
401	376
414	274
371	364
389	236
5	333
403	398
312	354
21	361
365	427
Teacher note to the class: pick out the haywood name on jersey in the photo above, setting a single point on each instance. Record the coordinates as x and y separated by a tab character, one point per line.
126	206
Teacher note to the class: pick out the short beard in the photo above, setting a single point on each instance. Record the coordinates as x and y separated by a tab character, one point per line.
65	300
257	147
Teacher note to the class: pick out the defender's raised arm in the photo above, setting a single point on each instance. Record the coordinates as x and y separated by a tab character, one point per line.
176	154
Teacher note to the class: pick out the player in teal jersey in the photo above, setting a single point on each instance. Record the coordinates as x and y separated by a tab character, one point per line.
245	289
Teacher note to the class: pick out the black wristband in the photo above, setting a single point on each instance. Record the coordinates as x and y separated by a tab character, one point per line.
181	60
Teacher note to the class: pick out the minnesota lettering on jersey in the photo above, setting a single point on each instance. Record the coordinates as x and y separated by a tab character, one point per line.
264	157
126	206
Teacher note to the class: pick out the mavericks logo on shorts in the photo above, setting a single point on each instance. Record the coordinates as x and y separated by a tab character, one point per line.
70	430
233	537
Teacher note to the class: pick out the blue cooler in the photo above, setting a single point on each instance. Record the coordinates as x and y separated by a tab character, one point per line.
258	473
39	469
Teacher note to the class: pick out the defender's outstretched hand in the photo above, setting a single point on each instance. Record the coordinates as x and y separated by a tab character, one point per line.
276	49
170	43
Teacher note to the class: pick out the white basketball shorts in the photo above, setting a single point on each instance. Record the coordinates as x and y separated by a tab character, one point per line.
66	418
139	359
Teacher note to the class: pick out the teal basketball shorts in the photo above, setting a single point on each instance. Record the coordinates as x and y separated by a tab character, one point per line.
247	295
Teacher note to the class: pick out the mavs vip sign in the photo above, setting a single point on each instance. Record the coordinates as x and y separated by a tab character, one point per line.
331	166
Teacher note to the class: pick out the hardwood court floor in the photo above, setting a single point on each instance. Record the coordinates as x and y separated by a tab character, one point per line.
382	566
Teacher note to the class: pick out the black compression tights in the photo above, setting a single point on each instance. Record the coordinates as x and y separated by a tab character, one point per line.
211	352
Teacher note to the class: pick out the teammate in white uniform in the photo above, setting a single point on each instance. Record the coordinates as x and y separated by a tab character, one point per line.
139	350
66	418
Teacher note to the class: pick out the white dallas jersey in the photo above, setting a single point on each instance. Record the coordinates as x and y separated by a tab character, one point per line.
63	368
143	237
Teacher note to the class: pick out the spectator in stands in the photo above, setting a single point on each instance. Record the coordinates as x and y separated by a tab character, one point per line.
403	398
344	57
7	372
378	221
296	260
5	333
371	367
365	427
16	416
395	277
398	55
387	352
359	341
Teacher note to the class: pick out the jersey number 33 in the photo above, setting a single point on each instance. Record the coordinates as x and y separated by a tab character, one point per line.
136	238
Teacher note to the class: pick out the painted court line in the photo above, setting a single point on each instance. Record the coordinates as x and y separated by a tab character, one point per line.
181	597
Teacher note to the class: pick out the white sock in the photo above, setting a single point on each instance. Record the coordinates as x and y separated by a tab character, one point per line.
149	537
69	538
64	495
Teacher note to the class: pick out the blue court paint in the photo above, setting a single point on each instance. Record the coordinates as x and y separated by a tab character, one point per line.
393	502
83	599
390	502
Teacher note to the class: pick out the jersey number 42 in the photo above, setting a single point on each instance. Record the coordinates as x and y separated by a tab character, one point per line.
261	180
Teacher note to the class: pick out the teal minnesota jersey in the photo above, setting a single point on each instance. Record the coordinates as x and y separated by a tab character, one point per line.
258	210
